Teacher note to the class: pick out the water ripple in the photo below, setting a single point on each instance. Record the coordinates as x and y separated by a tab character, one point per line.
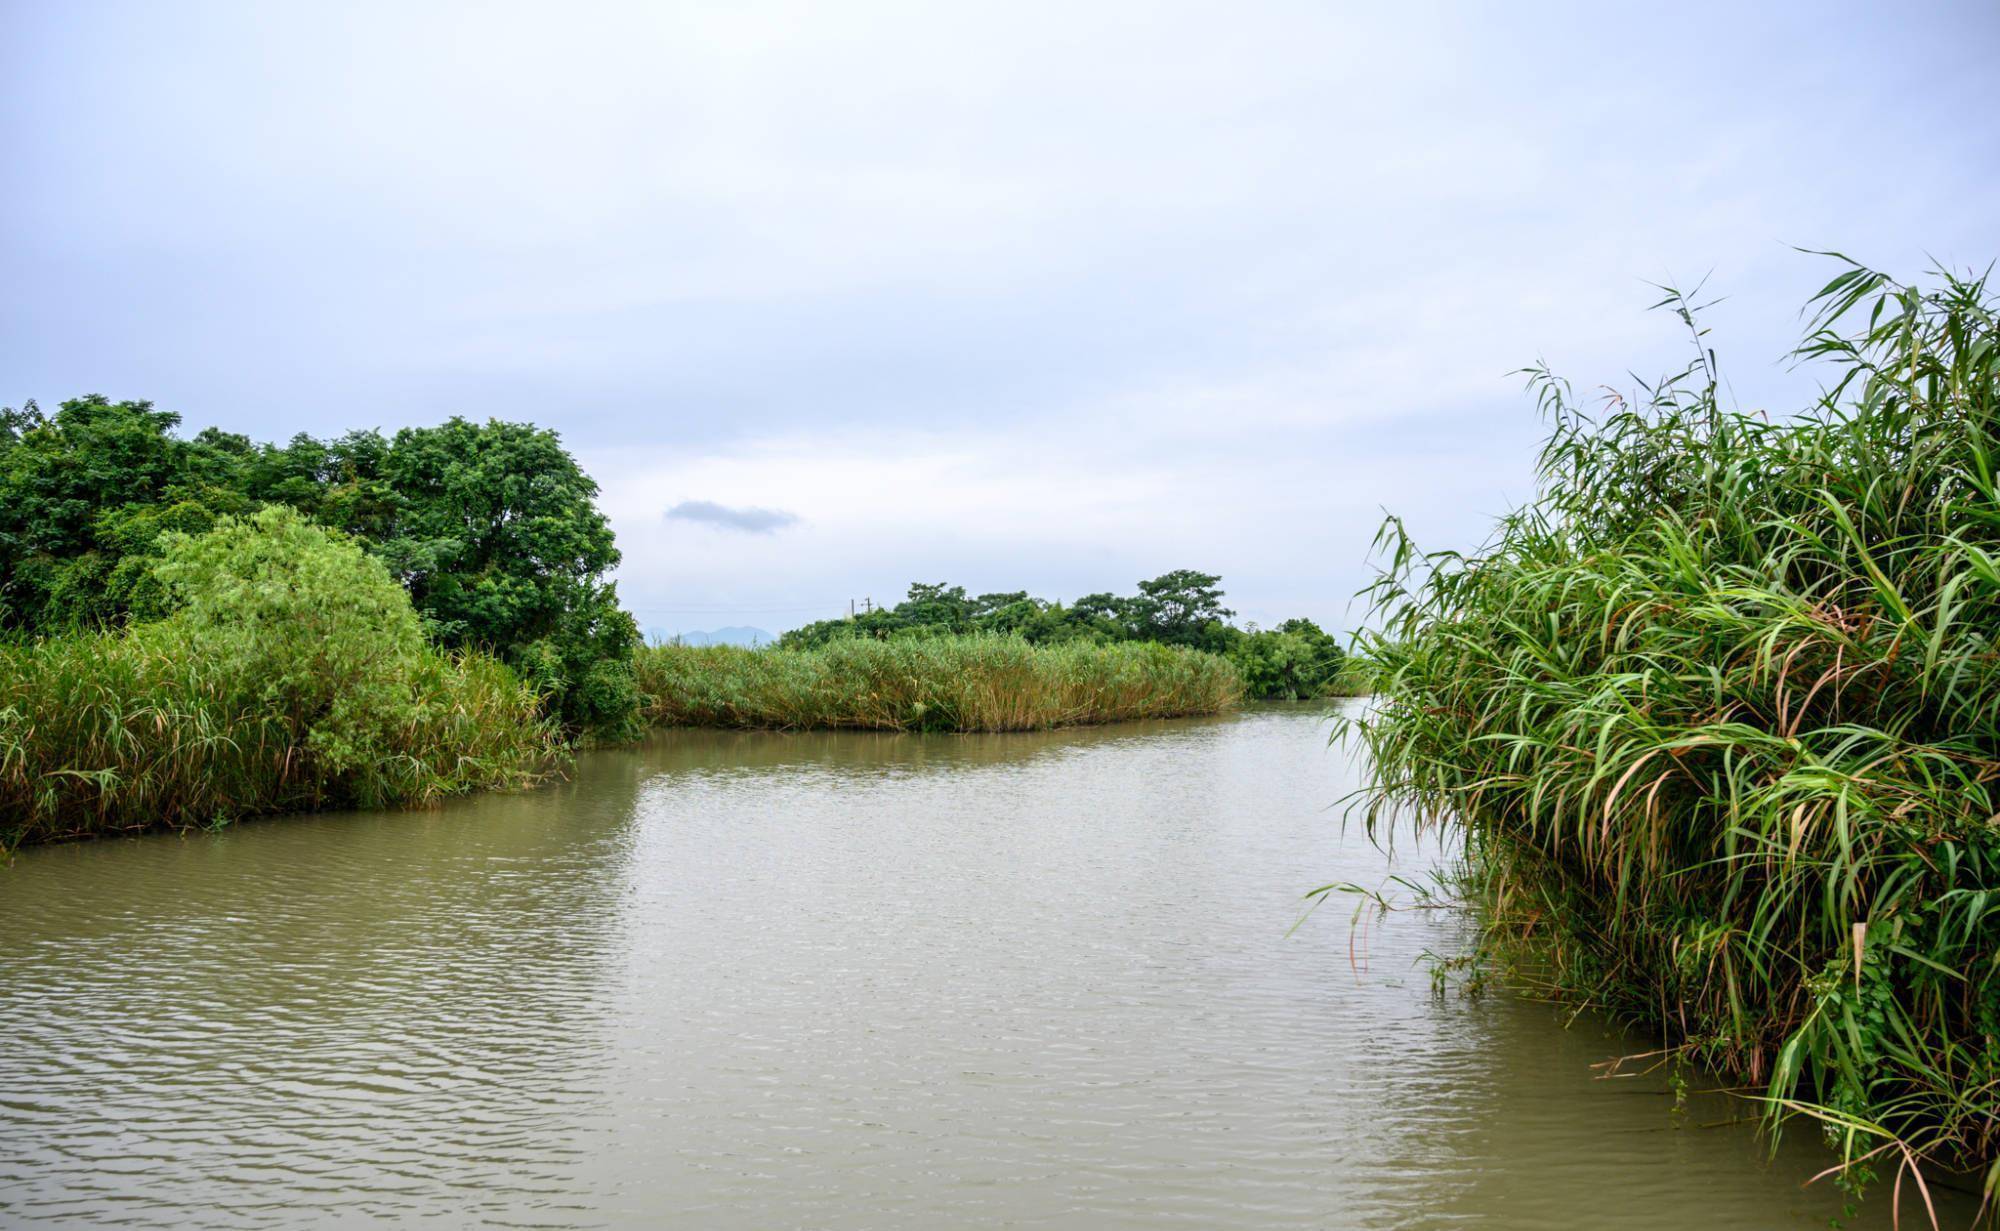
811	981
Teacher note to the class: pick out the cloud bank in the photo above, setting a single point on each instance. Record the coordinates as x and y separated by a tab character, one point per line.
1014	294
749	519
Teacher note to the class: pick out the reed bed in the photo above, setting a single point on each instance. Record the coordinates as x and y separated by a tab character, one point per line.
292	675
959	683
1718	716
106	733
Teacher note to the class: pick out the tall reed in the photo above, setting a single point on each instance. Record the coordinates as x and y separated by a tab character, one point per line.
293	674
1718	715
106	733
963	683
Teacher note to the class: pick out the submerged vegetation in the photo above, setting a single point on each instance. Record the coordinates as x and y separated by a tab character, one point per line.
1719	718
292	674
967	682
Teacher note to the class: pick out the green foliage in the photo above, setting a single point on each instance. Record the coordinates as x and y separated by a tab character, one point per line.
73	486
1183	608
320	626
1178	608
493	529
498	536
1295	661
293	674
1719	717
940	683
940	611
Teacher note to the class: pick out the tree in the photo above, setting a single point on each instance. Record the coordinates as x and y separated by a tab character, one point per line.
1295	660
497	535
1180	608
65	480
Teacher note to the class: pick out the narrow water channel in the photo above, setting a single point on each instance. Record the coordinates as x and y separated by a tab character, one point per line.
818	981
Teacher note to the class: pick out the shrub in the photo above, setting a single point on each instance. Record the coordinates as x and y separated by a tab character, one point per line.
293	674
1294	661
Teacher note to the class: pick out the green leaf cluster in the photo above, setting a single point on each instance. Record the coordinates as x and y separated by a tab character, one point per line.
492	528
291	674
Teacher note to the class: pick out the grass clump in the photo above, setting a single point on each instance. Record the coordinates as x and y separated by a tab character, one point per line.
293	674
951	683
1718	715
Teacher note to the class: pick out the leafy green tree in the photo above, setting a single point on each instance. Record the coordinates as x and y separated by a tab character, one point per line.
939	608
1293	661
1183	607
69	483
497	535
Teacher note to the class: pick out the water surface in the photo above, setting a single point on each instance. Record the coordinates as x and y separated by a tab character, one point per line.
818	981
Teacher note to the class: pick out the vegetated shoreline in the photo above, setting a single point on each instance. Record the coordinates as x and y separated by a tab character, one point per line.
151	586
968	683
1719	720
294	676
164	727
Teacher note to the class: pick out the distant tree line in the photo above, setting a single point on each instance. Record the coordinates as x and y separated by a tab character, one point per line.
1184	607
492	528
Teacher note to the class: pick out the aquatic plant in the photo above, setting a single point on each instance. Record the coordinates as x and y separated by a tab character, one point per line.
293	675
1718	716
952	683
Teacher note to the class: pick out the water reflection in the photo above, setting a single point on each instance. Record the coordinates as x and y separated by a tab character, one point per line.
816	980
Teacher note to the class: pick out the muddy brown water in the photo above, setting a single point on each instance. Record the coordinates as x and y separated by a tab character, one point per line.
821	981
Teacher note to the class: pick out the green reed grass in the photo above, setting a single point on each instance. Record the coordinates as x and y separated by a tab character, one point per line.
966	683
1718	716
293	674
105	733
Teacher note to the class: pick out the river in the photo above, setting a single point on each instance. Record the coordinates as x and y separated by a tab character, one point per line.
822	981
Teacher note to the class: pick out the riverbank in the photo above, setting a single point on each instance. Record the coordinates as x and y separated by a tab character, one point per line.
294	676
228	712
953	683
1719	722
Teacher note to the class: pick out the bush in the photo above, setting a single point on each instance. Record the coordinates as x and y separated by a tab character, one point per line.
292	674
326	635
1292	662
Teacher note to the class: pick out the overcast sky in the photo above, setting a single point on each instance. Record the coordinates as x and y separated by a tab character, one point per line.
835	297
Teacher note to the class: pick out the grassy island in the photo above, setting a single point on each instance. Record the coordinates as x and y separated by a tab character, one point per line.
951	683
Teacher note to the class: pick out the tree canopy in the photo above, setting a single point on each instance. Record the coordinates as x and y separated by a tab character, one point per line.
492	528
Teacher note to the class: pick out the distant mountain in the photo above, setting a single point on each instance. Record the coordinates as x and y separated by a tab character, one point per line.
718	636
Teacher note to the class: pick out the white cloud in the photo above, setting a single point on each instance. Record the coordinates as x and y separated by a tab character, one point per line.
1010	293
746	519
